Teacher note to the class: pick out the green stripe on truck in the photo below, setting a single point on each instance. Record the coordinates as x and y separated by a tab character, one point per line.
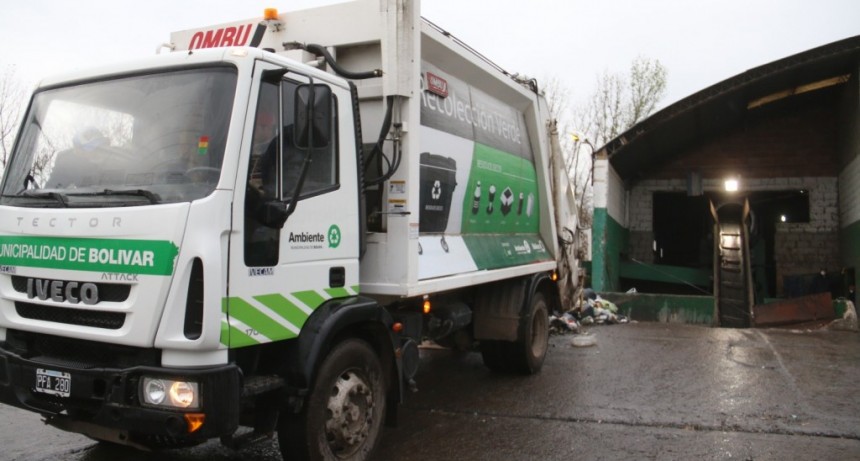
337	292
283	307
260	322
310	298
244	312
239	338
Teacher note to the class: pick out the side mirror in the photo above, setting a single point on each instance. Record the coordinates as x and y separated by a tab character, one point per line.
312	128
274	214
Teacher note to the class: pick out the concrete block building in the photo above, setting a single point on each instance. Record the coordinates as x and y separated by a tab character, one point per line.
786	136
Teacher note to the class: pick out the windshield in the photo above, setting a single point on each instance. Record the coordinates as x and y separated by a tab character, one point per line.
144	139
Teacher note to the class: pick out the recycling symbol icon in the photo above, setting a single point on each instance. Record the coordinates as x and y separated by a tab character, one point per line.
436	192
333	236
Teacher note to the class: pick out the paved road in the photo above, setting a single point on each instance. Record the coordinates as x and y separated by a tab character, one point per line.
645	391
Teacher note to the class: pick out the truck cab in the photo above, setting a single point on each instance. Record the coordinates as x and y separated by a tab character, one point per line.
137	195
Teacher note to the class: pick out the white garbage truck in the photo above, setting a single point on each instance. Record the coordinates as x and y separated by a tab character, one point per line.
254	230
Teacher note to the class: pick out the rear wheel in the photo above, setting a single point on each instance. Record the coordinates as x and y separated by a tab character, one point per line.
342	419
530	349
526	355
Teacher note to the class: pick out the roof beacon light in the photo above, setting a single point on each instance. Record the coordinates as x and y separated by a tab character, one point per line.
270	21
270	16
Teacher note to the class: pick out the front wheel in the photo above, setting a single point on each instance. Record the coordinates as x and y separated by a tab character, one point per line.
342	419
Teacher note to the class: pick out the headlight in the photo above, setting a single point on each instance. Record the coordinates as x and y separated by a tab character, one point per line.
168	393
153	391
183	394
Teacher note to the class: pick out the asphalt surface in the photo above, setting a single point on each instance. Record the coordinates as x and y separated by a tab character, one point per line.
644	391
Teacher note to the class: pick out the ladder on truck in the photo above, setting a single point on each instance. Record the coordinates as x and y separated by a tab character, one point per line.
733	287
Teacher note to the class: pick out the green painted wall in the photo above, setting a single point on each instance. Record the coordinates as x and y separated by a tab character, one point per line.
664	308
608	240
850	245
666	273
688	309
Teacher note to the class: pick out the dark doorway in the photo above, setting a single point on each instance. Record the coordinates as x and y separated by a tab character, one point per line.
683	230
769	209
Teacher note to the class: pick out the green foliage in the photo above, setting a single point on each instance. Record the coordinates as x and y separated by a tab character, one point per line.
620	101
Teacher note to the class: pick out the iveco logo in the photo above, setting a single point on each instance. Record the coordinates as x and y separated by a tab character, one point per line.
59	291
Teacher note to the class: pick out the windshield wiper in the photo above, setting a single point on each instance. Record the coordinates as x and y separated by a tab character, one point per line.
152	197
63	199
58	197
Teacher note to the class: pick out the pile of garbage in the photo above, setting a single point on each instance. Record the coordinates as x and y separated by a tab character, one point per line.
593	310
848	322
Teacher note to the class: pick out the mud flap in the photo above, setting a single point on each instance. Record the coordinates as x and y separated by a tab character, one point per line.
497	310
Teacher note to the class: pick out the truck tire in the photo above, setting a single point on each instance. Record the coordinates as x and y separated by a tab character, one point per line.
530	349
526	355
342	419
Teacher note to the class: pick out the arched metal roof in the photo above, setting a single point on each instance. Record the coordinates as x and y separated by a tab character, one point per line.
668	132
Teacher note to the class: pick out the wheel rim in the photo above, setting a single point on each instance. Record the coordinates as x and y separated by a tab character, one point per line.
350	413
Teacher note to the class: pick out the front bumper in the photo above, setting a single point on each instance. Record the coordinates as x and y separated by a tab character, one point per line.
108	399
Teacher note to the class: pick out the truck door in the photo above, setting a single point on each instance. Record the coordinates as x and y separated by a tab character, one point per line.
279	276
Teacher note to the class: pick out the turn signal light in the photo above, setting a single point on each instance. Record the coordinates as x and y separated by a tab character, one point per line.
427	304
194	421
554	276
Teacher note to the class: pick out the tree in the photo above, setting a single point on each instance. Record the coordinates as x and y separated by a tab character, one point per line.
617	103
11	99
557	96
647	88
620	101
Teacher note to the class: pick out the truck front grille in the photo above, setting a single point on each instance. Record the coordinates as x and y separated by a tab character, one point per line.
108	292
78	353
70	316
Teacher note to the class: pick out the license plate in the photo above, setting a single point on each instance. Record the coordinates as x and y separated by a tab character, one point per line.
53	382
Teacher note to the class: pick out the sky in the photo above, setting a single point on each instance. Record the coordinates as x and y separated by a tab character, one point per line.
700	42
